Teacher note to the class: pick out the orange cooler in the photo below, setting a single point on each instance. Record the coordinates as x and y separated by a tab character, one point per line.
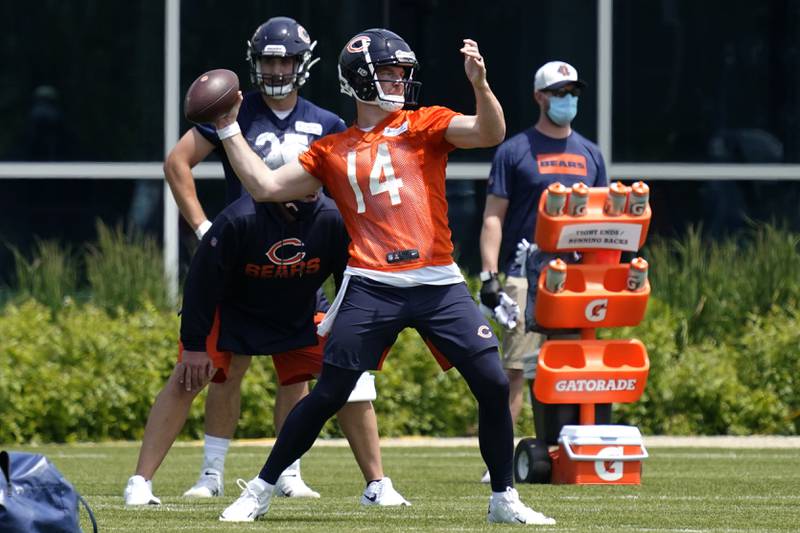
599	455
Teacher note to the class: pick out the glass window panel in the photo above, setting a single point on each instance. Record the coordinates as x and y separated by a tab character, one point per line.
88	81
693	86
516	37
67	210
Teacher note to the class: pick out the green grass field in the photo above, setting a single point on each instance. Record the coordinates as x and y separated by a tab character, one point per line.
683	490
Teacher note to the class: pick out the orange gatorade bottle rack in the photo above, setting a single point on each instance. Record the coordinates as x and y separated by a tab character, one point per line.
598	293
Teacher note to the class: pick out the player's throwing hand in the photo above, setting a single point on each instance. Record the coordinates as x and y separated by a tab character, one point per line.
230	117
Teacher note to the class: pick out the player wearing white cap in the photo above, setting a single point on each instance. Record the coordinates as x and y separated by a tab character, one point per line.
522	169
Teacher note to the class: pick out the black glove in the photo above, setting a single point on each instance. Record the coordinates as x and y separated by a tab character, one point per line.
490	290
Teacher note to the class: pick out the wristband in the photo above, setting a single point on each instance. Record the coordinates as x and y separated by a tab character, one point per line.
229	131
486	276
202	229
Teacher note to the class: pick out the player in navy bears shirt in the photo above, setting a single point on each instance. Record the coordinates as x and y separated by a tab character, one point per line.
278	124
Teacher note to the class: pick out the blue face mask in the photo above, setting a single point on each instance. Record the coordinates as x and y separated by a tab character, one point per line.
563	109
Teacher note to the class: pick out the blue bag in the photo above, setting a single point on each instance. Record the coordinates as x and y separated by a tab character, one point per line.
36	498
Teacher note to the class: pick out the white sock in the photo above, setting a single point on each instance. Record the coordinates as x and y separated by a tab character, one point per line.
293	469
261	485
500	494
214	451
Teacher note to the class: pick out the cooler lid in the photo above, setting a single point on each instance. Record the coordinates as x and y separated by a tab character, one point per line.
587	435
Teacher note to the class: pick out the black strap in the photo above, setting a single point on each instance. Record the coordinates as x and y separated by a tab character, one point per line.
88	510
4	466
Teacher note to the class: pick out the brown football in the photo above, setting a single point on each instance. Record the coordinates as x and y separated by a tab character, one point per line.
211	95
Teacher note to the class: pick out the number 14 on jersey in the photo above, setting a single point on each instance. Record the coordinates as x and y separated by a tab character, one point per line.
382	167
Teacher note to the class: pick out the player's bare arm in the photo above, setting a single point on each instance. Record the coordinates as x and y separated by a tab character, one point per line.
492	231
191	149
289	182
487	127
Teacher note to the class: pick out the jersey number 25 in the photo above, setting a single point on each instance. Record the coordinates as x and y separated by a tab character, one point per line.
382	167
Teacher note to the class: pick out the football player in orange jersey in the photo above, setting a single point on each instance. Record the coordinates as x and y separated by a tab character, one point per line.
386	174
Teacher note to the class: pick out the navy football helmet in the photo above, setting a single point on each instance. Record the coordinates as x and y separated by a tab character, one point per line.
280	37
367	51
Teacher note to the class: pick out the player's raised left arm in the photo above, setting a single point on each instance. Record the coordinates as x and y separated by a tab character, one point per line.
289	182
487	127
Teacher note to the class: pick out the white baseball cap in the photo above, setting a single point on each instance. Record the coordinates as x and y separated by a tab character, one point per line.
556	74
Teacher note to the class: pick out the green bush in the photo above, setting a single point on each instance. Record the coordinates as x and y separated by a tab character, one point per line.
741	384
770	362
81	375
722	332
122	271
50	276
712	286
125	271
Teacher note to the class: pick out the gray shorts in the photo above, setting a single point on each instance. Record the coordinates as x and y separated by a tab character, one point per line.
520	348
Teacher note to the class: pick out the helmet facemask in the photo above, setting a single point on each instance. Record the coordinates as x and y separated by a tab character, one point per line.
364	85
279	86
395	102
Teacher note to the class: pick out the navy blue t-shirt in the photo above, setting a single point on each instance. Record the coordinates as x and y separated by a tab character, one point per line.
265	133
263	271
523	167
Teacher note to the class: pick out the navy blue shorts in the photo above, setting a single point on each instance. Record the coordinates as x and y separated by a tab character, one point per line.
372	314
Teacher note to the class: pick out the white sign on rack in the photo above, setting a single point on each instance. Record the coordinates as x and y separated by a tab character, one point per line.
609	236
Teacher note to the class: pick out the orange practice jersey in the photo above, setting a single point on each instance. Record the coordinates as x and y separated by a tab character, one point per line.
389	186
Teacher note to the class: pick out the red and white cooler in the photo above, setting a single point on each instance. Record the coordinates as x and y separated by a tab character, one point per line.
599	455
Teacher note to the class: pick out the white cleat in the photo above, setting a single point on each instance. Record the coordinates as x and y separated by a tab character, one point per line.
506	508
382	493
209	485
251	505
486	477
293	486
139	491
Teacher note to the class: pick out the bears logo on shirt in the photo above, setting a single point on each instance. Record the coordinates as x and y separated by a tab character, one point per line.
561	163
276	258
288	259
